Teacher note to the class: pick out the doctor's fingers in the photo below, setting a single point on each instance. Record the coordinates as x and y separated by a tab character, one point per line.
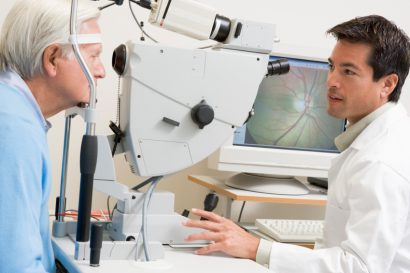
210	248
232	245
206	235
208	225
208	215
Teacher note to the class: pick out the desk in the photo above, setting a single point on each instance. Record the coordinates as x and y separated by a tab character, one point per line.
180	261
232	194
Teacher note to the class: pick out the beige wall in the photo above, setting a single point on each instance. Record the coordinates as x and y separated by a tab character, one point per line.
298	22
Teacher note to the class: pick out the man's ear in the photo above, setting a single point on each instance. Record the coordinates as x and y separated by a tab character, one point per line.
50	57
389	84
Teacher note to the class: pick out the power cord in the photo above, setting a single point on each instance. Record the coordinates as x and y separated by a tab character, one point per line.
240	213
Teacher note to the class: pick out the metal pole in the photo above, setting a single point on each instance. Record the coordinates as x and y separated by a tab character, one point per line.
63	181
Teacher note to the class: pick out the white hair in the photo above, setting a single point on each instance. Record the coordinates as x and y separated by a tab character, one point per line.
33	25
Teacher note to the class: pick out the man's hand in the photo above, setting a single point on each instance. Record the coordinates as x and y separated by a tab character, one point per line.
226	235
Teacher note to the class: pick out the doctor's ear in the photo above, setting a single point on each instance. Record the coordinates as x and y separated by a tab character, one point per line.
50	58
389	84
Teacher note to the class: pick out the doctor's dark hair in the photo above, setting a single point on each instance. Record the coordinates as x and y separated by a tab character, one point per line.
390	46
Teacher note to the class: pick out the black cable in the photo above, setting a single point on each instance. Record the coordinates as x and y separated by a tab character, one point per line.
106	6
115	208
142	184
240	213
138	23
108	207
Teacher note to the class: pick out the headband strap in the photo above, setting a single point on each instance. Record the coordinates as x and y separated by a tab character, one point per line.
85	39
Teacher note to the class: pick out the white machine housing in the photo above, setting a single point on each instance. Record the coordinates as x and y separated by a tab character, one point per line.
187	17
166	82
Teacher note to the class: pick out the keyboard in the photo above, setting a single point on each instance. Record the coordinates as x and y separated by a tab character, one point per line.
291	231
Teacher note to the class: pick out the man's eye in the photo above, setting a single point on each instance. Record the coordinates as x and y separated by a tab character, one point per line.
331	66
348	72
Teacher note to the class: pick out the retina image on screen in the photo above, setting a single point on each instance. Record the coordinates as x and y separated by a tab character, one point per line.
290	134
290	111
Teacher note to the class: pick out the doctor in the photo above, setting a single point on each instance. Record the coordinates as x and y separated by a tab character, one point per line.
367	222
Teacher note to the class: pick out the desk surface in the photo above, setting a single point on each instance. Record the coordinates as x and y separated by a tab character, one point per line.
181	261
241	195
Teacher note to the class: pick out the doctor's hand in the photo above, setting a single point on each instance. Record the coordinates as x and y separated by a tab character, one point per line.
226	235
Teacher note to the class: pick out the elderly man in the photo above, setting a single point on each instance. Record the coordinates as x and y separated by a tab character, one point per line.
39	77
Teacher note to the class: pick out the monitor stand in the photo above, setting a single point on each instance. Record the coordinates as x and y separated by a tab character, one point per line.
283	185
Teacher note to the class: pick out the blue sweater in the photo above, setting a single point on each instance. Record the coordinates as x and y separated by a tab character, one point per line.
25	181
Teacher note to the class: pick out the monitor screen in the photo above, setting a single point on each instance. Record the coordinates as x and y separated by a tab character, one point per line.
290	134
290	111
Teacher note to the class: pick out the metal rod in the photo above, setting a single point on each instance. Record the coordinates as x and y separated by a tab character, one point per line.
63	181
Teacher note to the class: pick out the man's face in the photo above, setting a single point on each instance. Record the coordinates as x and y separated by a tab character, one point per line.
73	84
352	93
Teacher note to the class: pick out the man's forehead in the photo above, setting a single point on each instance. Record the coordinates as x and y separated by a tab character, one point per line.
90	26
95	48
350	54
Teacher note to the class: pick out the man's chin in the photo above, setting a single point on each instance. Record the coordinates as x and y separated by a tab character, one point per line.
334	114
82	104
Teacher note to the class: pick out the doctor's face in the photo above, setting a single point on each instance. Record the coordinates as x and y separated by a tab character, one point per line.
352	92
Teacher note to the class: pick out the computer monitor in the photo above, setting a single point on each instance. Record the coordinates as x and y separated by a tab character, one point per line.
290	133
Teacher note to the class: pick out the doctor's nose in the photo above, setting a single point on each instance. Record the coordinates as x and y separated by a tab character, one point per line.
332	80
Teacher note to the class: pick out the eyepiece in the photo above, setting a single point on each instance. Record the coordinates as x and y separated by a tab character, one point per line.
278	67
119	59
221	28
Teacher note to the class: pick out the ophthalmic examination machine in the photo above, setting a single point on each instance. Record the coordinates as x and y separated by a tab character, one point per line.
177	106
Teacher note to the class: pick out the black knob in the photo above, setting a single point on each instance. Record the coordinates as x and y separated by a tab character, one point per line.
210	202
96	243
202	114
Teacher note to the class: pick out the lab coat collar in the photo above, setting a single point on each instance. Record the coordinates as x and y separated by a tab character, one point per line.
380	124
344	140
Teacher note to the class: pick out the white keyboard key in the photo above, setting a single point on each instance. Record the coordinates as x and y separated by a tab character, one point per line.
292	231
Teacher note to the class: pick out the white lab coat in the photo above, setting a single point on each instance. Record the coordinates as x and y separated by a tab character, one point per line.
367	223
